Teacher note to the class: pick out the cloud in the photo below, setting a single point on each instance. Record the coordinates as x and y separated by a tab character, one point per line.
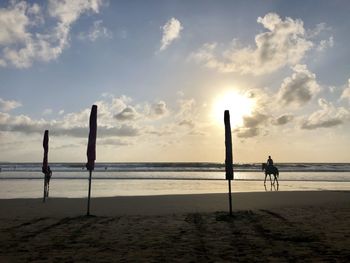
25	36
247	132
7	105
171	31
251	125
346	92
189	123
320	28
325	43
299	88
68	12
114	141
24	124
158	110
282	120
187	113
95	32
75	124
161	131
284	43
328	116
127	114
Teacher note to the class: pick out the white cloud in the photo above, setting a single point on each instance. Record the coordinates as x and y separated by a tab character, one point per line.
129	113
68	11
96	31
171	31
7	105
13	23
320	28
284	43
73	125
300	87
328	116
24	40
157	110
117	117
325	43
186	113
346	92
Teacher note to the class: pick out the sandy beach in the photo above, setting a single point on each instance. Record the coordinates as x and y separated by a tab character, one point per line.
271	226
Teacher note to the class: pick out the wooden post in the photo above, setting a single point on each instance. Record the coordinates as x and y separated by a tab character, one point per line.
89	194
44	197
91	150
228	157
230	196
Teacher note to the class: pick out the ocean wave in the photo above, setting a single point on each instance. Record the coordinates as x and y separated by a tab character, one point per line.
176	167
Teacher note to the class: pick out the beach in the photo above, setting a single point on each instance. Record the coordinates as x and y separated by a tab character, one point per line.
266	226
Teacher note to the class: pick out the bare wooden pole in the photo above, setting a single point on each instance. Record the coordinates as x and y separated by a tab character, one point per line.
44	189
230	196
89	194
228	157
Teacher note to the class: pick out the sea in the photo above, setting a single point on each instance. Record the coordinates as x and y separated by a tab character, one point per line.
70	180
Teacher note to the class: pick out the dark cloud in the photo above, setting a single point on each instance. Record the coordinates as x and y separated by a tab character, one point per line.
248	132
300	87
251	125
127	114
283	119
254	120
187	123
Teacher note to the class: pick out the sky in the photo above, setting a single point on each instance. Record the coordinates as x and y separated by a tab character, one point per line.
163	72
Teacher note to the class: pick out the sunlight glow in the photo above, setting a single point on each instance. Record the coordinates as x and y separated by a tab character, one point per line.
238	104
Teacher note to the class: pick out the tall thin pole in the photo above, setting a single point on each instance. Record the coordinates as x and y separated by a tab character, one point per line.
89	194
230	196
44	197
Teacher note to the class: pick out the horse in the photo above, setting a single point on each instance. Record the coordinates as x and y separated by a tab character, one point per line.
270	170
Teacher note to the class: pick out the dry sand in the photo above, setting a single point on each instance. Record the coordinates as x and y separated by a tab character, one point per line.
272	226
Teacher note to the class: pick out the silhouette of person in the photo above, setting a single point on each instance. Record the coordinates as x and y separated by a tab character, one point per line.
270	161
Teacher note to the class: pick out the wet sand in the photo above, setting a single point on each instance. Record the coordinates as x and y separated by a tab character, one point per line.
272	226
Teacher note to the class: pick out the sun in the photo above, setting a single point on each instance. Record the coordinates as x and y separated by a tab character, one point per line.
238	104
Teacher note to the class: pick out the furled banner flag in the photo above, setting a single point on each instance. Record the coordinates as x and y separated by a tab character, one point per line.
91	149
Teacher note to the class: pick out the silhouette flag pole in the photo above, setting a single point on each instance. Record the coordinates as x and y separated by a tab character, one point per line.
91	149
228	157
45	168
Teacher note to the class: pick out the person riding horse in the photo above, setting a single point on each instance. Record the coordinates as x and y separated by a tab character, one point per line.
269	161
269	169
